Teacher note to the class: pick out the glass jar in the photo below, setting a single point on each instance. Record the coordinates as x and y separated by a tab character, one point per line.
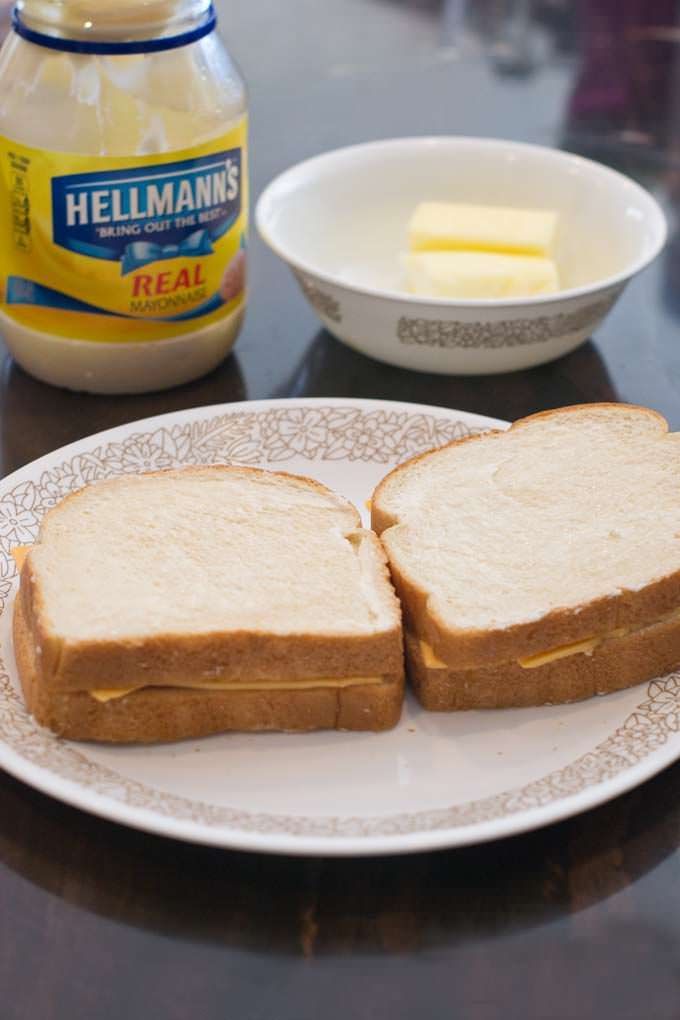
123	193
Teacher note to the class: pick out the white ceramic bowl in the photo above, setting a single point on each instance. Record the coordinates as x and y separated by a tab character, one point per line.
339	221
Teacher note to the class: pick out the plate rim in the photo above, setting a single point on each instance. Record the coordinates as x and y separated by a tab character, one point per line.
78	795
476	419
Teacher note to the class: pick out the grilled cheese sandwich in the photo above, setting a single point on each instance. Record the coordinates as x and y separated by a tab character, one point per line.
257	589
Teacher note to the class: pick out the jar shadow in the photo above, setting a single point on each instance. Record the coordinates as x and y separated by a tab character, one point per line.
36	418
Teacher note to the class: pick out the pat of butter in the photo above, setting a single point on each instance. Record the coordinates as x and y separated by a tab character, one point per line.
447	226
111	694
476	274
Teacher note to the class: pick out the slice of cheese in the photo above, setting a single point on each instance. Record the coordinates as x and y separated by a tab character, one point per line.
112	694
586	647
19	554
431	660
449	226
477	274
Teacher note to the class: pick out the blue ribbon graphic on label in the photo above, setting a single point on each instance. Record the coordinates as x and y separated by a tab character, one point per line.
141	253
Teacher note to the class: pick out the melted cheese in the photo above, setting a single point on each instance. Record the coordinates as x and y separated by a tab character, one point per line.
19	554
585	647
431	660
112	694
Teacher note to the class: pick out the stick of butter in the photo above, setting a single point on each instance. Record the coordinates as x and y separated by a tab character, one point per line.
437	226
476	274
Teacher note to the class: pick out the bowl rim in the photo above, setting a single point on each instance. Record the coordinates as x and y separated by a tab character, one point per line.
469	141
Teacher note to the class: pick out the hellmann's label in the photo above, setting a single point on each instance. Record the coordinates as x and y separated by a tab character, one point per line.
124	248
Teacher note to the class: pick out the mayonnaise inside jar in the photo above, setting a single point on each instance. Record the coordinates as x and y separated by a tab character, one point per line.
123	193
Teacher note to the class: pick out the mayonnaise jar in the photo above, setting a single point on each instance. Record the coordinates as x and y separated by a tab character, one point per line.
123	193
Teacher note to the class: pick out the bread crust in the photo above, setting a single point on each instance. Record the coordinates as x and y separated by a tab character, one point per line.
466	649
154	715
615	664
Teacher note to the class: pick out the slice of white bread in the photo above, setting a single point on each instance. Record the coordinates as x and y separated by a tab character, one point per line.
504	546
218	575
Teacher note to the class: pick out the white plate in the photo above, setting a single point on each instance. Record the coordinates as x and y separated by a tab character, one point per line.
434	781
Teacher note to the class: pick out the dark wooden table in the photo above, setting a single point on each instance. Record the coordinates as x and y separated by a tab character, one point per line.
581	919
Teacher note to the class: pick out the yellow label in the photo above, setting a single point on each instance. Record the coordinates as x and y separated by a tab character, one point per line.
126	248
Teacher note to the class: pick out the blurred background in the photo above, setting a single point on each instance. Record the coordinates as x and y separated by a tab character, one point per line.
597	77
608	69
